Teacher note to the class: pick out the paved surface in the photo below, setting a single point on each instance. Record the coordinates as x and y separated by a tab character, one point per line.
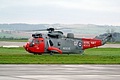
110	46
9	44
59	72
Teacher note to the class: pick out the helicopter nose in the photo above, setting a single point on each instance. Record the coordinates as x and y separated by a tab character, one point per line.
26	46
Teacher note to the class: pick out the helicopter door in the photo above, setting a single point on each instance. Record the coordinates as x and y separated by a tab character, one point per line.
52	48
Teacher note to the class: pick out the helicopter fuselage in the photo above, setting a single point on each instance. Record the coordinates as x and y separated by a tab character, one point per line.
55	41
41	43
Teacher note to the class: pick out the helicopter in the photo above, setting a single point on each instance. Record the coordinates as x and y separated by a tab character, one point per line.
56	42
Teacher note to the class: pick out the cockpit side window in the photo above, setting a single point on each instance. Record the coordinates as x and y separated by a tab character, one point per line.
36	41
33	42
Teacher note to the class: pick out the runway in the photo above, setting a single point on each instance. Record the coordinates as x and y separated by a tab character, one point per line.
7	43
59	72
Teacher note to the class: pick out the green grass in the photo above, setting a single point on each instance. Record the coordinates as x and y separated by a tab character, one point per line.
113	42
91	56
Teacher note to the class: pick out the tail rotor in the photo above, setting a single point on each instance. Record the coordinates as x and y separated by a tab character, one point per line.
112	32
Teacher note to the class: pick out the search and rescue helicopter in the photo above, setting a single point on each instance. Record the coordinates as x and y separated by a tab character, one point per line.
55	41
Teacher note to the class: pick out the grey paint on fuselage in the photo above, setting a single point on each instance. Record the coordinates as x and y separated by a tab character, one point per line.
65	44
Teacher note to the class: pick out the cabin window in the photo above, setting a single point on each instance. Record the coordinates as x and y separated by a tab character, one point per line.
58	43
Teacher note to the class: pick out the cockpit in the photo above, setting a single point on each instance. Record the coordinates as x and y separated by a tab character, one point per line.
33	41
35	45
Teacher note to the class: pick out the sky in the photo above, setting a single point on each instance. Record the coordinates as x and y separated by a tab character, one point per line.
101	12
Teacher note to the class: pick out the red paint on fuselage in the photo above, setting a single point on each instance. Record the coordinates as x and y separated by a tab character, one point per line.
90	43
37	45
51	48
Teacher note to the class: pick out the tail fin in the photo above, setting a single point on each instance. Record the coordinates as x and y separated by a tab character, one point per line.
104	37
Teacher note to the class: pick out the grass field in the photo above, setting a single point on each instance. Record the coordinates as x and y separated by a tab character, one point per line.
91	56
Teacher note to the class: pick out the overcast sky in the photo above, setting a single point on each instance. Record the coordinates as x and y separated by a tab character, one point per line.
103	12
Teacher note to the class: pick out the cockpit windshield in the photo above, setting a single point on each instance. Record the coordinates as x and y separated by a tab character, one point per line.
34	40
30	40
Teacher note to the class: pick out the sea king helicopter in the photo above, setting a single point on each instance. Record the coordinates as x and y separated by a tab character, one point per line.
56	42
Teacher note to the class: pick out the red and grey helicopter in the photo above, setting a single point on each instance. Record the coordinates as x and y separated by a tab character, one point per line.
55	41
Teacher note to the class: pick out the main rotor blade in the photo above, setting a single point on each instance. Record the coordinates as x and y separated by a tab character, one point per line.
48	29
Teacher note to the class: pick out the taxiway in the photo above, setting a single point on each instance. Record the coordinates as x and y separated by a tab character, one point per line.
59	72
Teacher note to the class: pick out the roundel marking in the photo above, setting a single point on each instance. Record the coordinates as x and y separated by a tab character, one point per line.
80	44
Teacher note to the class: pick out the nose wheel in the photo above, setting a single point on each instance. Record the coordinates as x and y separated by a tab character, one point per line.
51	53
34	53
